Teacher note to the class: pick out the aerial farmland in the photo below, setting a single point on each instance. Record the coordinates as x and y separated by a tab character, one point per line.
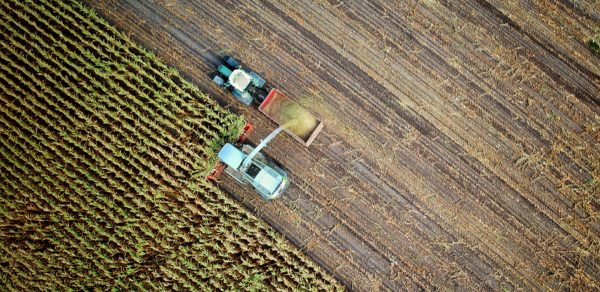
460	147
104	156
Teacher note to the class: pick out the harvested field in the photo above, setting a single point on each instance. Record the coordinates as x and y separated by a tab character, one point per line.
103	156
461	139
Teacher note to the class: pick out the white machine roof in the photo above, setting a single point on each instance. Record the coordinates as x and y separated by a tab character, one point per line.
232	156
268	181
239	79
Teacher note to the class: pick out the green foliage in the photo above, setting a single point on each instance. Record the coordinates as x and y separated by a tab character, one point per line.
254	282
103	156
594	44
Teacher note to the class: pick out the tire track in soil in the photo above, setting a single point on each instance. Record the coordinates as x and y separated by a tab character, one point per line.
354	159
499	105
583	91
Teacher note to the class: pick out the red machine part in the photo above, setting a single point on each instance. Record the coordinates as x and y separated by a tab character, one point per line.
216	172
272	93
220	167
248	128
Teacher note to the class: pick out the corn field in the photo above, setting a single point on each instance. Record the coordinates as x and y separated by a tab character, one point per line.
103	156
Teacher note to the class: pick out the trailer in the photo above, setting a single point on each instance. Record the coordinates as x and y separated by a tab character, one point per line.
299	123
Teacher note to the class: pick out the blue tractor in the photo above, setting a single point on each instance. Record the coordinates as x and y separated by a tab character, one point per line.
246	85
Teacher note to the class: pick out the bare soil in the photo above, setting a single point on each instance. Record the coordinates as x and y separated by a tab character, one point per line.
461	139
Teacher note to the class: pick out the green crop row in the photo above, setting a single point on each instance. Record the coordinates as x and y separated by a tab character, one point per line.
594	44
103	156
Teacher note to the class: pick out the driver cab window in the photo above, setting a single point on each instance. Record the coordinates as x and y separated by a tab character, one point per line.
253	170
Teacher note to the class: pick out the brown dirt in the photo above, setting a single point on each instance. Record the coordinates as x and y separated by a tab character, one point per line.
461	140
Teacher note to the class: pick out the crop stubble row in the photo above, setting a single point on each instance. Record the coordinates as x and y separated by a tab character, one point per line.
503	204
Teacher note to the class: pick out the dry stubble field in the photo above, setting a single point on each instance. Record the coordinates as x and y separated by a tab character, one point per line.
461	140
